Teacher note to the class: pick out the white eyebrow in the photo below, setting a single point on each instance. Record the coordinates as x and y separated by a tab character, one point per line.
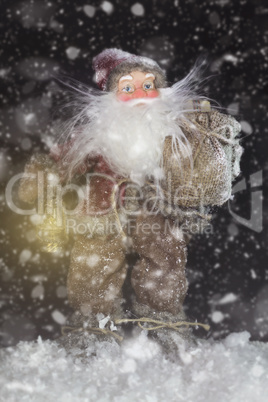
126	77
149	75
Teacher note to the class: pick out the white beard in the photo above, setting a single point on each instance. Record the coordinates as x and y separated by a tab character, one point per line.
129	135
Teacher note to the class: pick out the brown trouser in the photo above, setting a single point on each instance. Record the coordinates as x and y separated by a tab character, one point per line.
98	270
96	275
158	278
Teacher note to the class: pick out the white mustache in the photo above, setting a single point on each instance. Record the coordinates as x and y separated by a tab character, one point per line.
141	101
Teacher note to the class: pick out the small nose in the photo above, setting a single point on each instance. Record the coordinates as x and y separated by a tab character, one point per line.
139	93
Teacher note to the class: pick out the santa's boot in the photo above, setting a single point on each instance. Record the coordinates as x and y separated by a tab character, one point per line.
83	335
171	329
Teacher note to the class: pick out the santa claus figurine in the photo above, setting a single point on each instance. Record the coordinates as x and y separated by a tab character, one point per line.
154	160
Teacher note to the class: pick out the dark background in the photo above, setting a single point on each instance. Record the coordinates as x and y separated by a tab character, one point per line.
227	270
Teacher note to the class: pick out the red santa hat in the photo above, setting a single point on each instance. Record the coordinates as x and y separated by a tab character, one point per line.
111	64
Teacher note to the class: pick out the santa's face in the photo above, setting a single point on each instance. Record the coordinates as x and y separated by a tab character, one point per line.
136	85
129	138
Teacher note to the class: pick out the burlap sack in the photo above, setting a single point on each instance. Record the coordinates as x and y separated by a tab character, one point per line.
206	179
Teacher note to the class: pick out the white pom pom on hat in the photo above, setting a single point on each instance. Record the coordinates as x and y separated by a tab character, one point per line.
111	64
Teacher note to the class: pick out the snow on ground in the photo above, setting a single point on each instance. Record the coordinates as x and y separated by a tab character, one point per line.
233	369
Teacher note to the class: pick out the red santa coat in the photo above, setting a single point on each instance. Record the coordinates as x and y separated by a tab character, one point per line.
102	181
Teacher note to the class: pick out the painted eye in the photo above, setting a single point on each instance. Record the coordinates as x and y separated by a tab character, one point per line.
147	85
128	88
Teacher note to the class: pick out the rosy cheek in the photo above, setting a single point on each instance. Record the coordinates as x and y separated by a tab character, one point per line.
123	97
153	93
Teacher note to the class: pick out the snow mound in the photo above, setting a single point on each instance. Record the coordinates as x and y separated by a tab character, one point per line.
234	369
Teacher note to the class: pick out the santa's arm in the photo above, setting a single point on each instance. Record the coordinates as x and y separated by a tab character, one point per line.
35	173
59	154
40	168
